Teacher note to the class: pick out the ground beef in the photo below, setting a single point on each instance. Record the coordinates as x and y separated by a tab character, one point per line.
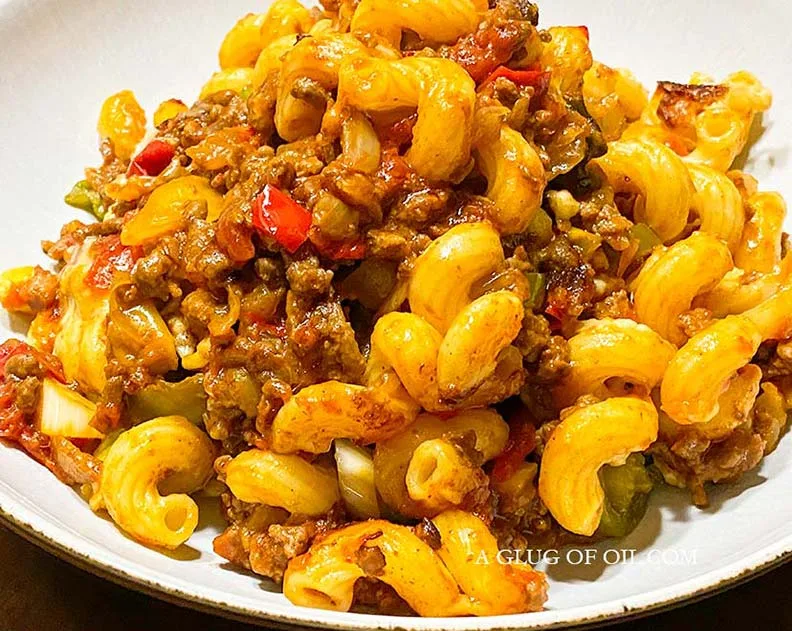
606	221
323	340
204	258
503	33
75	232
695	320
307	279
380	598
689	459
570	284
268	551
554	360
615	305
534	337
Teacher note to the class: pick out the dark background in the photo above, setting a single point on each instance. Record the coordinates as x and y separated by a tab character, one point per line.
41	592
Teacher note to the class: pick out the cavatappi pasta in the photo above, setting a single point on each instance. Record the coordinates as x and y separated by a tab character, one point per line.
409	284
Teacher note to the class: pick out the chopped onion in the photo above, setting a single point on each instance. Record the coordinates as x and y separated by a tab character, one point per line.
356	479
63	412
360	145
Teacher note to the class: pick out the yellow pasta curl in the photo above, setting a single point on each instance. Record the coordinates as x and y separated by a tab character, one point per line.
607	349
168	450
760	246
444	275
444	95
657	177
435	21
613	97
434	583
718	204
590	437
394	457
674	276
316	61
515	178
283	480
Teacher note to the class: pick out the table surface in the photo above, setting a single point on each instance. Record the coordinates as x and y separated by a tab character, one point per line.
41	592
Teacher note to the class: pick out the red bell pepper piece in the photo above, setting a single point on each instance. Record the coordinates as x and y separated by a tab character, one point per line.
538	79
278	216
153	159
522	441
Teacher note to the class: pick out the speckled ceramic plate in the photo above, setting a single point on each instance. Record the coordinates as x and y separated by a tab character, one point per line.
61	58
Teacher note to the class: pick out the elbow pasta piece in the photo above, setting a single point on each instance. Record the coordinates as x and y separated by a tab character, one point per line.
441	90
394	457
515	178
742	290
607	349
706	123
722	128
435	21
760	247
734	409
674	276
256	31
123	122
230	79
270	60
493	587
718	204
439	476
285	17
592	436
702	369
285	481
773	317
444	275
658	178
412	347
472	347
168	450
325	576
438	584
315	59
613	97
319	414
242	44
567	57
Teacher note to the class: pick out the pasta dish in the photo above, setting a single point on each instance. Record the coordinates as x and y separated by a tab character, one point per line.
408	285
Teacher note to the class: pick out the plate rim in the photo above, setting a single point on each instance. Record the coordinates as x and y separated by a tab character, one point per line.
44	533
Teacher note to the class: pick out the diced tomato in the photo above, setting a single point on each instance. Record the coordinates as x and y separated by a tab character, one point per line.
111	256
342	250
153	159
398	133
522	441
537	79
276	215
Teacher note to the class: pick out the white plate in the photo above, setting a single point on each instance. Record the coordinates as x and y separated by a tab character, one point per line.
61	58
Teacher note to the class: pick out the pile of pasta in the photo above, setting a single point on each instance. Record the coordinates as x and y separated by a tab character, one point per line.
661	331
